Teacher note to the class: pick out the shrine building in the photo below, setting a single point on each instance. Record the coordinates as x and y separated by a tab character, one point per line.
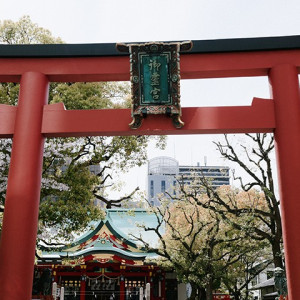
107	263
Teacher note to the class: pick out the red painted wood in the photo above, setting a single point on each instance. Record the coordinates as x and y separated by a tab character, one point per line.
163	286
214	65
285	88
19	231
82	289
7	120
241	119
59	122
20	219
67	69
234	64
122	288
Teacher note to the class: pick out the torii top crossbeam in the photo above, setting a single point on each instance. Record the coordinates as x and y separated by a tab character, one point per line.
102	62
34	66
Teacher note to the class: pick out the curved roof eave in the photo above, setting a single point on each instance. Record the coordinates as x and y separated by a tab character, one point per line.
110	250
108	222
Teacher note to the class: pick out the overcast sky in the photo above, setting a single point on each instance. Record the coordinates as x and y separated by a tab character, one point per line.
101	21
109	21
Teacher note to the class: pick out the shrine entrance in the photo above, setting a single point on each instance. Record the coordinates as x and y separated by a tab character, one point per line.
34	66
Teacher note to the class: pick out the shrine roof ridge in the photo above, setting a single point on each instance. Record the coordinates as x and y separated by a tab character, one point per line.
109	49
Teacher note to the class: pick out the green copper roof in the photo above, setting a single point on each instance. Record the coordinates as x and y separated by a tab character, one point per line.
126	222
121	223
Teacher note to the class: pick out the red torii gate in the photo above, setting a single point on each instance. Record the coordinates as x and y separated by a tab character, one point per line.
34	66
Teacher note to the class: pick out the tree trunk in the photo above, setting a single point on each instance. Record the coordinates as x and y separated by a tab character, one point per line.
198	293
202	293
236	295
209	290
235	292
194	292
277	256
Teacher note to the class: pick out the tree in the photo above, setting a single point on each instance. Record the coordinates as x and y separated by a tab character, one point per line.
256	161
237	277
68	187
256	212
25	31
202	247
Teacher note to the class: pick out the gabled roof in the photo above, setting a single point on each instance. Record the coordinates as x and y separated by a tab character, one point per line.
111	240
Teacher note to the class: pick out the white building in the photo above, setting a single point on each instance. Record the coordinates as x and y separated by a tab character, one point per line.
164	173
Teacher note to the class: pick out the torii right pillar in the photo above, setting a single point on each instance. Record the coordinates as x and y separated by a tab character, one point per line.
285	89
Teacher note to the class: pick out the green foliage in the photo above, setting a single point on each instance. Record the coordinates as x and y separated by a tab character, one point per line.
203	247
72	208
90	95
68	187
25	31
9	93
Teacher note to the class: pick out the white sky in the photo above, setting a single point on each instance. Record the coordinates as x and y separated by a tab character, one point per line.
109	21
94	21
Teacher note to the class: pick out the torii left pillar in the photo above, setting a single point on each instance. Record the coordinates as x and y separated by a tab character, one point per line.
23	191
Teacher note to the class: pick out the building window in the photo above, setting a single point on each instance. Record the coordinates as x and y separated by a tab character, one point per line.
270	274
151	189
174	187
163	186
254	281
